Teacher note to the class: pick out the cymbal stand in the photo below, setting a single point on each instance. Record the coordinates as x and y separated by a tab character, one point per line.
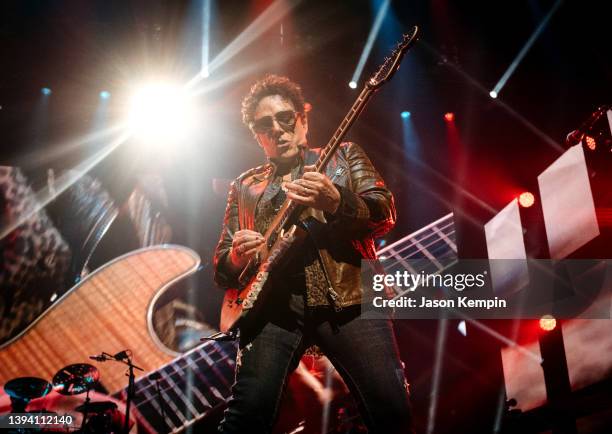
124	357
87	400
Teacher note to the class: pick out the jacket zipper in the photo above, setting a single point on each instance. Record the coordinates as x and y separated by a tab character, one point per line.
331	293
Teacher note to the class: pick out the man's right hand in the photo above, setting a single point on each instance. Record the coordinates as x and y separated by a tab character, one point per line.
245	245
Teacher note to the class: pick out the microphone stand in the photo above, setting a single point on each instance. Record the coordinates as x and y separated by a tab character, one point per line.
125	358
130	392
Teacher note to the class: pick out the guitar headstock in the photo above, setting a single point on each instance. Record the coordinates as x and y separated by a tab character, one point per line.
392	63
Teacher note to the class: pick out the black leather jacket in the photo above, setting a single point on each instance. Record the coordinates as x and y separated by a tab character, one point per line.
343	239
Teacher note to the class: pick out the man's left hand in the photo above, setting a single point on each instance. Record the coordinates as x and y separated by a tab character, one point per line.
315	190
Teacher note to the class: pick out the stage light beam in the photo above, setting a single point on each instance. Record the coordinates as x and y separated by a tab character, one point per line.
105	94
380	15
515	63
161	113
204	72
353	84
405	114
541	134
45	91
63	182
272	15
437	375
449	117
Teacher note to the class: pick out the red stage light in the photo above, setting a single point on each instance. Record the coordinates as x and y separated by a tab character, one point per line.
548	323
449	117
526	199
590	142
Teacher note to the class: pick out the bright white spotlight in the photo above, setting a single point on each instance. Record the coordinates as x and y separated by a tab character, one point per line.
161	113
493	94
353	85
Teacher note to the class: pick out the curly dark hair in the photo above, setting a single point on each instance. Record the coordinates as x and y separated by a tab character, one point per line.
271	85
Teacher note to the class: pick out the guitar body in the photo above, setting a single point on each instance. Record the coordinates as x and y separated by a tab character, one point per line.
110	311
240	306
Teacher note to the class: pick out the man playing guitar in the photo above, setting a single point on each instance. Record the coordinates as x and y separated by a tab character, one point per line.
317	293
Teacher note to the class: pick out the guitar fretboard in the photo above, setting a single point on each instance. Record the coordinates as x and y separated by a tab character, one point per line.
188	389
431	249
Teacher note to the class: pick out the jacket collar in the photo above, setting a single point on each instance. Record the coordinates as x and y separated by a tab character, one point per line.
301	160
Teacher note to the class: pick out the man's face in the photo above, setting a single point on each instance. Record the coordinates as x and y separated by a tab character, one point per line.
279	129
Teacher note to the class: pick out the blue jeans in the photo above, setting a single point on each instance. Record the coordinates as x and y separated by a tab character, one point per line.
363	351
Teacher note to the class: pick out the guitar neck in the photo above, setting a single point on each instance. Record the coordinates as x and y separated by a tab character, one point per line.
430	250
289	210
187	389
346	123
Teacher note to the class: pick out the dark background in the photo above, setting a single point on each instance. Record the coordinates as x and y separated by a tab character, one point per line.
78	48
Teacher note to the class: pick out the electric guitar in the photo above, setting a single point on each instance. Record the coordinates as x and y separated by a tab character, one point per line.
241	306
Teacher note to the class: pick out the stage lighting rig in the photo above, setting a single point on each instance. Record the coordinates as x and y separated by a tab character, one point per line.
595	133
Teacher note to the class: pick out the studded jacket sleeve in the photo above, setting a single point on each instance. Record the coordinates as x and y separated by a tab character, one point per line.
366	205
225	276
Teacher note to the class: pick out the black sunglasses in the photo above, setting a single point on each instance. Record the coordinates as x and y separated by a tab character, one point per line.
286	119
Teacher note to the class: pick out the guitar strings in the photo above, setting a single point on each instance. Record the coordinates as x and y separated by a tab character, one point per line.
414	255
169	376
414	241
397	253
424	261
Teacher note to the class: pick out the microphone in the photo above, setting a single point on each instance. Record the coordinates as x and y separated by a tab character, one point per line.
122	355
100	357
103	356
576	136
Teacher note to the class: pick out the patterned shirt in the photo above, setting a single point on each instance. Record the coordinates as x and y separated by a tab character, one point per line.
309	264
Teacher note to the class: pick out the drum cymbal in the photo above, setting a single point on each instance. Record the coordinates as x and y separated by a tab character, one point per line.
27	388
96	407
75	379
